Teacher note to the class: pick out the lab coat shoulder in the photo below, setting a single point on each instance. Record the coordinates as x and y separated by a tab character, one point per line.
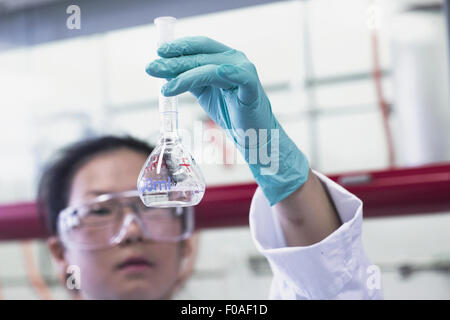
335	268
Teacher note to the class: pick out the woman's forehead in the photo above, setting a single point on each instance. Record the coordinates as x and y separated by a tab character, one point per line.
110	172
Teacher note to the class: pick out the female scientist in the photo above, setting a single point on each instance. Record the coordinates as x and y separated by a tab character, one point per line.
308	227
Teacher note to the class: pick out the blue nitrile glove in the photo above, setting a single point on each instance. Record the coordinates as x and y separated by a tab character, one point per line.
226	85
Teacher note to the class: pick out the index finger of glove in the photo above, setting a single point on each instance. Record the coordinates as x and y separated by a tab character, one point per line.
172	67
189	46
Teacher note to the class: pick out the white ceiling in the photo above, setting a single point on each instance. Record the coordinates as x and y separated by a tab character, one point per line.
13	5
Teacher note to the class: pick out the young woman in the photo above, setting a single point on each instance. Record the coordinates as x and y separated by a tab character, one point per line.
90	191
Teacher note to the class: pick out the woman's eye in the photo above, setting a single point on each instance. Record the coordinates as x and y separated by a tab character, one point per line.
100	211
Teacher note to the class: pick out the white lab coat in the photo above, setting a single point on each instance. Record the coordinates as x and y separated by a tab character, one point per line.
335	268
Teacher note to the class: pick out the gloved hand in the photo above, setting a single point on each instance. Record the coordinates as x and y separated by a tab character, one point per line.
226	85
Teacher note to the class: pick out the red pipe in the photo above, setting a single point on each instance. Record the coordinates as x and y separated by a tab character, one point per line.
401	191
383	105
385	193
20	221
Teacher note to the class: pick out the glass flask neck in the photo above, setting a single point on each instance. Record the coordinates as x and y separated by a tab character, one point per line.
168	111
169	124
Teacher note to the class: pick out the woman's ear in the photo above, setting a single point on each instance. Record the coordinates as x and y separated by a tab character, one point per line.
57	251
189	245
189	249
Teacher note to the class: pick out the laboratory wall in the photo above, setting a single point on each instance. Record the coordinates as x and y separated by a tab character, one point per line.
316	62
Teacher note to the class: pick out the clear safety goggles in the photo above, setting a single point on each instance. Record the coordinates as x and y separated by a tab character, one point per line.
104	222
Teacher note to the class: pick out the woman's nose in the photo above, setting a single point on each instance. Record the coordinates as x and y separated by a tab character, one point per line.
131	230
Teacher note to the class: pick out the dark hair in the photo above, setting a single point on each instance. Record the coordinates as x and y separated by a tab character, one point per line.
55	183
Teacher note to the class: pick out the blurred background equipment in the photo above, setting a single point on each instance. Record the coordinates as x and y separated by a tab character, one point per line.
363	89
420	75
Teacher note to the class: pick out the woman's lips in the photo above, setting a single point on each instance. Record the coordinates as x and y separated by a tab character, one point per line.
135	264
